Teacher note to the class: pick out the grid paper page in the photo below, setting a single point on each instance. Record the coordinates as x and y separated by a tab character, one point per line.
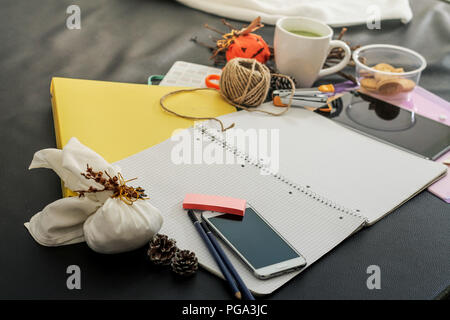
365	175
310	226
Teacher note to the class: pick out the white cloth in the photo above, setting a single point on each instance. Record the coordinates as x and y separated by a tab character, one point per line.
118	227
107	225
61	222
333	12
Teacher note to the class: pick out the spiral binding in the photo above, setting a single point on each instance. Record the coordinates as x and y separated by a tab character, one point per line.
306	190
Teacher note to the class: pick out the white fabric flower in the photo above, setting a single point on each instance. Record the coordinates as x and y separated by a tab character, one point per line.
108	225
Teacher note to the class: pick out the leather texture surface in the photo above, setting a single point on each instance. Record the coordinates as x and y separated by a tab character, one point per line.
127	41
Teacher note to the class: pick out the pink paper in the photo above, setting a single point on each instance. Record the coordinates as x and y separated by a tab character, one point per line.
420	101
214	203
441	188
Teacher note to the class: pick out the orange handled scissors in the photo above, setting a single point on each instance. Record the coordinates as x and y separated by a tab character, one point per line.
210	84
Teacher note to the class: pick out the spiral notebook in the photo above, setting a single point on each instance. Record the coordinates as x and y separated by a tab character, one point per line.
330	182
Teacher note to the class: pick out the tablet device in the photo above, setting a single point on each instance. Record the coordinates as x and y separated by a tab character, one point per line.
391	124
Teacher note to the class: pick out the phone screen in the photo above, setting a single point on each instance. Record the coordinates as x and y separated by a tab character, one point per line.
255	240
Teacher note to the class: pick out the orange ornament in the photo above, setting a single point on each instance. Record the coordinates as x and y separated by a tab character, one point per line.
250	46
242	43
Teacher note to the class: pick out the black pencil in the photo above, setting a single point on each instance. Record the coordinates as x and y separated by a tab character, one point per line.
215	255
245	292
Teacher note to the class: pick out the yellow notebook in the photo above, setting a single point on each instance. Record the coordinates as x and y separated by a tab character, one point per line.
120	119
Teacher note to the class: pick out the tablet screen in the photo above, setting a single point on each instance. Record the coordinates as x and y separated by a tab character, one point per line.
391	124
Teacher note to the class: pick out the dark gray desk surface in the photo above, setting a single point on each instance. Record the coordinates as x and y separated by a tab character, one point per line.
127	41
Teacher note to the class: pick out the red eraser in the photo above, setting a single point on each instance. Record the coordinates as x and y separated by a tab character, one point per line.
206	202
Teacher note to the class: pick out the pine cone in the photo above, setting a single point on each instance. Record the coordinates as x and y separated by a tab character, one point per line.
161	249
184	263
278	83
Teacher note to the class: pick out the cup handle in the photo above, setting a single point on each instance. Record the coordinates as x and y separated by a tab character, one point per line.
341	65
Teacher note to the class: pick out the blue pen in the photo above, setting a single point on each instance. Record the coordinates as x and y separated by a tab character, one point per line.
245	292
215	255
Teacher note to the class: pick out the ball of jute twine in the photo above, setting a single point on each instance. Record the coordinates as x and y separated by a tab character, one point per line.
244	83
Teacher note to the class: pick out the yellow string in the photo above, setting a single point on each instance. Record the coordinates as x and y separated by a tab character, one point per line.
125	191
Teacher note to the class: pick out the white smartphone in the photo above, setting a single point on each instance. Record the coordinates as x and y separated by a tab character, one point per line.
256	242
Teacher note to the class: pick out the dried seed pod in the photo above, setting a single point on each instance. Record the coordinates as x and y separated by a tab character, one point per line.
161	249
278	83
184	263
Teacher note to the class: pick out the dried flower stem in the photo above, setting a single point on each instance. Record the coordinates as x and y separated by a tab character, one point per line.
195	40
229	25
343	74
115	184
207	26
337	54
341	34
